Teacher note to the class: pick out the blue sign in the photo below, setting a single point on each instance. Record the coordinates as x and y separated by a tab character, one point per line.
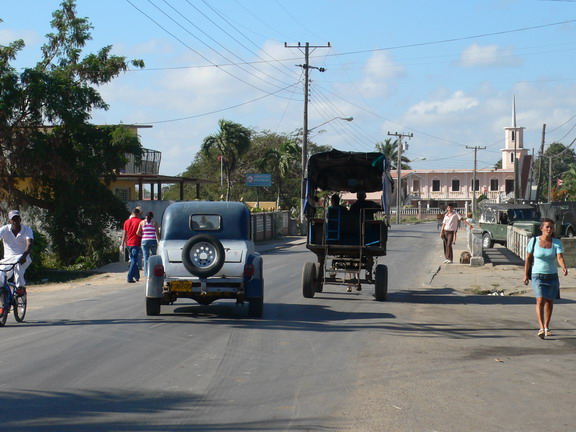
258	179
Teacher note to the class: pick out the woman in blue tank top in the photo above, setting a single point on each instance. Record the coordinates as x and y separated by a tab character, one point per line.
544	251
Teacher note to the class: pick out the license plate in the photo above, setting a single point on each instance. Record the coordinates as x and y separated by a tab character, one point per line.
181	285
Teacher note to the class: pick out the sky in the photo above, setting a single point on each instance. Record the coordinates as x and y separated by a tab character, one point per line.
444	71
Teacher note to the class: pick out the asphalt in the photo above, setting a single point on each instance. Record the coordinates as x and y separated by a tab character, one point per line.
501	274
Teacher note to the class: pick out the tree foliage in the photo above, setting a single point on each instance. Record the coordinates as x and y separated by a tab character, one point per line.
390	150
52	157
230	143
559	158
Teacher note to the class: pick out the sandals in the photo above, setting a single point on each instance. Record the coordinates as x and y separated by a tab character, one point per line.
548	332
541	333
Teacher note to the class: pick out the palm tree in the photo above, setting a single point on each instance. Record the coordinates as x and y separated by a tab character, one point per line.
231	142
390	150
280	161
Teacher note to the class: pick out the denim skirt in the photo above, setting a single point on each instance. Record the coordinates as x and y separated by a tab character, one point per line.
545	285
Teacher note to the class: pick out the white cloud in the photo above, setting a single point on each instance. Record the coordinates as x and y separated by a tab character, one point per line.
488	56
379	71
456	102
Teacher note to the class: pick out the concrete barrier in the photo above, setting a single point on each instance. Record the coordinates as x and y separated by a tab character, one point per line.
517	240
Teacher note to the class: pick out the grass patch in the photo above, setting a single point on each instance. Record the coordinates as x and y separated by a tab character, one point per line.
60	276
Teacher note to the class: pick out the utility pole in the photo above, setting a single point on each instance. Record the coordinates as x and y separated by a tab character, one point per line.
306	66
540	160
399	137
476	148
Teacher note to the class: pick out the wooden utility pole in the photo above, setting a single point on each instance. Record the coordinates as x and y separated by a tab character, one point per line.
476	148
399	137
306	66
540	160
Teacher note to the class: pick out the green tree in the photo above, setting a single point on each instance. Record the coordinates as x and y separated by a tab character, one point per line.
279	161
569	182
390	150
561	158
58	168
231	142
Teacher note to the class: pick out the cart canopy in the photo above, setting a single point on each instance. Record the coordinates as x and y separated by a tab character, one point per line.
340	171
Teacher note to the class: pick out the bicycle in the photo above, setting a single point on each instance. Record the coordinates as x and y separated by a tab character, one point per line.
11	297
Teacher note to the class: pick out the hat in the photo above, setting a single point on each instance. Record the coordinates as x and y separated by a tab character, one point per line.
13	213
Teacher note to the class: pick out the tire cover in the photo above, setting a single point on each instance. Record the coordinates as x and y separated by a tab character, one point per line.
203	255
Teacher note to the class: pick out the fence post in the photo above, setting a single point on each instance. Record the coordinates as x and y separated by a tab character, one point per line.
476	260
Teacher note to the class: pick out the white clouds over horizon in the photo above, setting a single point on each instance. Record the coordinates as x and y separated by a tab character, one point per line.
488	56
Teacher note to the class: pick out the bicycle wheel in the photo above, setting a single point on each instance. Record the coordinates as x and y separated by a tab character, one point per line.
20	303
5	308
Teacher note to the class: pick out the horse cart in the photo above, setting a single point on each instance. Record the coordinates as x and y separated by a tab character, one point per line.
347	243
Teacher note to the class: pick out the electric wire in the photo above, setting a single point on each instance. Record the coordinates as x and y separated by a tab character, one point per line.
200	54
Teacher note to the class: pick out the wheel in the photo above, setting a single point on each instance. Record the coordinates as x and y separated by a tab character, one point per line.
153	306
203	255
256	307
318	285
308	276
4	306
20	303
381	282
487	242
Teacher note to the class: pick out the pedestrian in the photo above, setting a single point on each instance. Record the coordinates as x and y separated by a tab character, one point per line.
18	240
149	235
448	232
131	239
541	255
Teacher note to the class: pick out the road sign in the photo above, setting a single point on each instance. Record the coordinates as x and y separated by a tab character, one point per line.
258	179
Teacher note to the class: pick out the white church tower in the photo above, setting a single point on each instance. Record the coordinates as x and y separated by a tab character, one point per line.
513	143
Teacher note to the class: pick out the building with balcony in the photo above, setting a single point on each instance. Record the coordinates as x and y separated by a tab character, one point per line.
141	179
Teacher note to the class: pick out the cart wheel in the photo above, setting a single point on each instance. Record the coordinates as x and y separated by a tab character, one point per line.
318	285
308	276
381	282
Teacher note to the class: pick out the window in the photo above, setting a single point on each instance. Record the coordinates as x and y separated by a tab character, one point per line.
205	222
513	136
475	187
511	157
416	186
436	185
122	193
494	185
455	185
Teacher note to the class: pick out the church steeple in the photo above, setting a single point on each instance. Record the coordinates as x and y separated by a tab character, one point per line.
513	141
514	111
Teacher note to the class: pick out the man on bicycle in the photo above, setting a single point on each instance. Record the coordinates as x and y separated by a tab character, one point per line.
18	240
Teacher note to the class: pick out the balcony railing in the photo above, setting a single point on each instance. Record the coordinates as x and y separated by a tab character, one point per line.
150	163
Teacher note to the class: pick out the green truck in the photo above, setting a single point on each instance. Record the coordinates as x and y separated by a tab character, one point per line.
495	219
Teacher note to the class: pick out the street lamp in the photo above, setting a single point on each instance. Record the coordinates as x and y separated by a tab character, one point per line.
305	132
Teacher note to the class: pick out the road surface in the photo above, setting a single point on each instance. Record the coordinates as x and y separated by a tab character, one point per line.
89	359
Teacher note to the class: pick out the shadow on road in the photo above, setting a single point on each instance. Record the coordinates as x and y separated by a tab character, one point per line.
115	410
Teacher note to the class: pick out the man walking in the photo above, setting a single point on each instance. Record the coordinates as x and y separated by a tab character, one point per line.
131	239
18	240
448	231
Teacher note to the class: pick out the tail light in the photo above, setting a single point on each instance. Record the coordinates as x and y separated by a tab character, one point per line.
249	270
159	270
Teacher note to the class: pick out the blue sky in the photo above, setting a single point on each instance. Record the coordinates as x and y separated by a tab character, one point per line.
446	71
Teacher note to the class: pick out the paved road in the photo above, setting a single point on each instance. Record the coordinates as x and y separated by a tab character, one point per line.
428	360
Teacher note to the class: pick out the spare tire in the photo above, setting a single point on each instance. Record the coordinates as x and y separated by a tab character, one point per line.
203	255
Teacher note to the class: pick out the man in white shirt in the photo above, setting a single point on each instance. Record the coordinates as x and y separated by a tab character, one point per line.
18	240
448	231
